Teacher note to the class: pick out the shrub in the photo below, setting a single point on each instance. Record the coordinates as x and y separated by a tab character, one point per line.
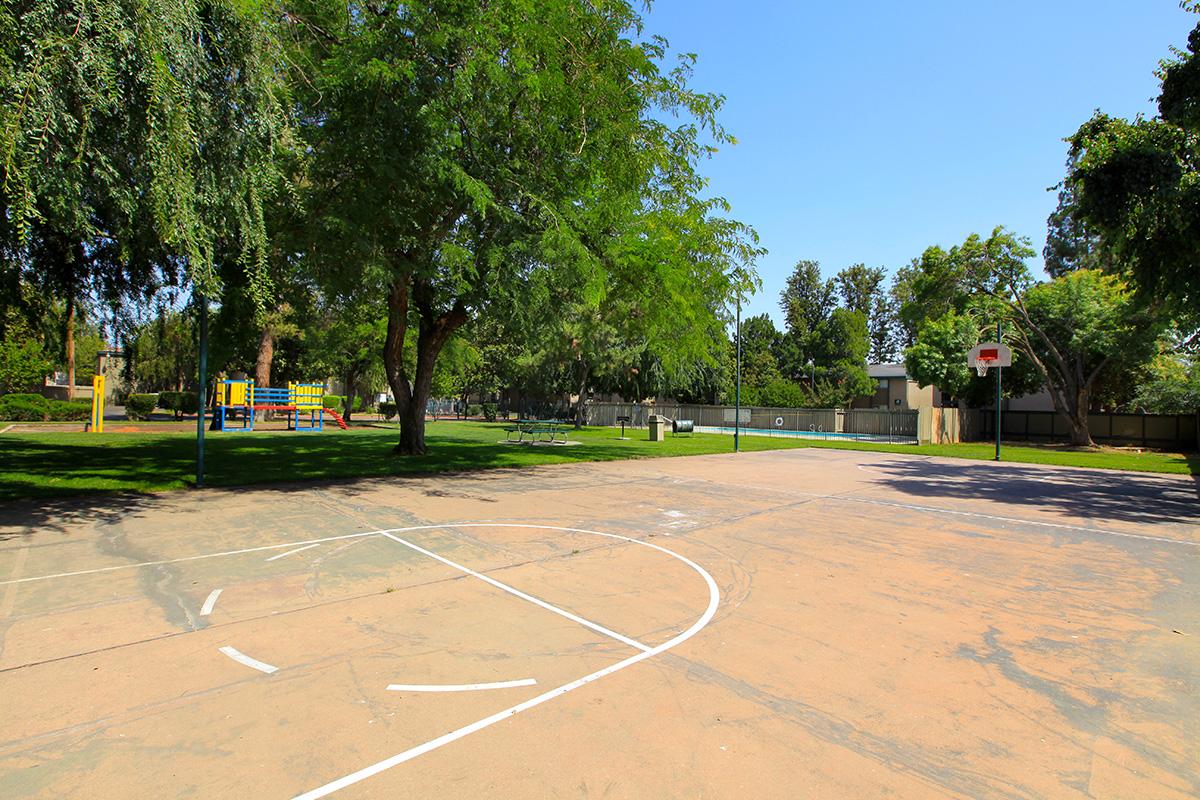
179	402
358	403
489	412
188	402
139	406
24	407
334	401
474	410
388	410
69	410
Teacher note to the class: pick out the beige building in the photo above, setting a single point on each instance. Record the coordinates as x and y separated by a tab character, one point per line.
895	390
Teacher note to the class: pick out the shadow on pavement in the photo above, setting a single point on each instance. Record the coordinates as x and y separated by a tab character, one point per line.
1091	494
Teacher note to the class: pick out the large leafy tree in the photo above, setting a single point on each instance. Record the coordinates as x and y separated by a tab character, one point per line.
135	139
1137	184
461	146
1076	329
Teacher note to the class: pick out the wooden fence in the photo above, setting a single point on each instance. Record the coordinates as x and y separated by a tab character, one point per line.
1163	431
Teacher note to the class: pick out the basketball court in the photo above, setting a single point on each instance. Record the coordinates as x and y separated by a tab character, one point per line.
803	623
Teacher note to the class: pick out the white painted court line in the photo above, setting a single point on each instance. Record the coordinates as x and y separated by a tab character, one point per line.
518	593
458	687
210	602
714	599
297	550
197	558
253	663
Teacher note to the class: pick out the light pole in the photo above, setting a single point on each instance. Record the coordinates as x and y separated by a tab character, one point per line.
737	393
201	400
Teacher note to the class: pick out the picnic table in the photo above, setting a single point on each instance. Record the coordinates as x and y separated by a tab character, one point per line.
552	429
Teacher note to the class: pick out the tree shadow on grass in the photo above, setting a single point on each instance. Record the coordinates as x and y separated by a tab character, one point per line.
1090	494
54	483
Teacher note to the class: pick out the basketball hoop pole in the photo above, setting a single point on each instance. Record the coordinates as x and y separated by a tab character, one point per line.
999	370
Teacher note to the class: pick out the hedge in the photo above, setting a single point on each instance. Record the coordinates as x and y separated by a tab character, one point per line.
388	410
489	412
334	401
35	408
139	406
70	410
24	407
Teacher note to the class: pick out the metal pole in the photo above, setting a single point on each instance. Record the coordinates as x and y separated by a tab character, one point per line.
999	370
201	399
737	395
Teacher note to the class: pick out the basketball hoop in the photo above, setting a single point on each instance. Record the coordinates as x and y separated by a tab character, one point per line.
989	354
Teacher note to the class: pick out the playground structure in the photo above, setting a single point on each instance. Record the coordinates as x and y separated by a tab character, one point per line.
97	423
302	402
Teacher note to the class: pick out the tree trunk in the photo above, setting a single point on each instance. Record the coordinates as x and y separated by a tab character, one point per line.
70	344
413	395
1078	420
262	364
348	403
579	405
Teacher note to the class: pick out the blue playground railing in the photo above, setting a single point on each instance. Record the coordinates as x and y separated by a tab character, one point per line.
240	399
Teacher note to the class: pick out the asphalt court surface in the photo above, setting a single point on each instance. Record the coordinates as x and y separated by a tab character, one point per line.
805	623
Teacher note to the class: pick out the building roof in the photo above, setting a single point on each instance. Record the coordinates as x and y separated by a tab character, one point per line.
887	371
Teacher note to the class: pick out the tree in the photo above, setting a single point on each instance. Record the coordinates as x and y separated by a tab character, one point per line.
901	296
806	300
839	351
343	340
939	358
1170	385
1070	244
759	342
137	139
458	148
162	353
23	362
861	288
1137	184
1075	329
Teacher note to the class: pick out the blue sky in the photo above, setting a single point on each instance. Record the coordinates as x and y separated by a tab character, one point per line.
868	131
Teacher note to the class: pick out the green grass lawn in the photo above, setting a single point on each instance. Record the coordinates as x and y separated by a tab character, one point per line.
40	465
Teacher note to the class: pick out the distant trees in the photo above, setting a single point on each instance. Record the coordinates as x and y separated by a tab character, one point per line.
162	352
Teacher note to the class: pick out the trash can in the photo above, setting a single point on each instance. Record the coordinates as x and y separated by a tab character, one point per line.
657	431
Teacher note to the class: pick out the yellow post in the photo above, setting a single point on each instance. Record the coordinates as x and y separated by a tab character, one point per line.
98	404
